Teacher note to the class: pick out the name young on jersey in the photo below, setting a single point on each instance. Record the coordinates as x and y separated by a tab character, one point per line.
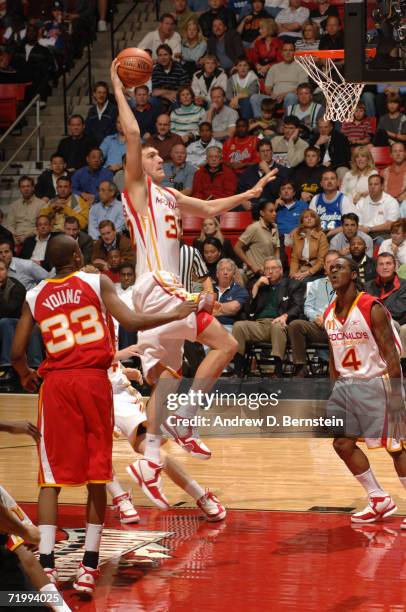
61	297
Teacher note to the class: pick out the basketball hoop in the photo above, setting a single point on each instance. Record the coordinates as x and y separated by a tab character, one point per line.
341	96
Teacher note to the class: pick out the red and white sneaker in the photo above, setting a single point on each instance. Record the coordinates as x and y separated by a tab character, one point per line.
127	512
52	574
377	509
211	507
187	437
148	475
85	580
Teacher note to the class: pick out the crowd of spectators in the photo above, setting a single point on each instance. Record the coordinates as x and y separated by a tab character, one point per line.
41	39
226	104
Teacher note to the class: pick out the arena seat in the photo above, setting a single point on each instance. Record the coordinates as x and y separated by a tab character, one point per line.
8	112
381	156
13	90
235	222
192	227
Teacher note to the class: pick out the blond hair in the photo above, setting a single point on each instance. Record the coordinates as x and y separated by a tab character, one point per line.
362	152
200	36
270	26
218	234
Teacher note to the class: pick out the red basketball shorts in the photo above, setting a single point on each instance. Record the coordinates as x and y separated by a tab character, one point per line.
75	418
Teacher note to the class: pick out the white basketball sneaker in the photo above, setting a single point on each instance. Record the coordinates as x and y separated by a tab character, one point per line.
211	506
52	574
377	509
148	475
187	437
127	513
85	580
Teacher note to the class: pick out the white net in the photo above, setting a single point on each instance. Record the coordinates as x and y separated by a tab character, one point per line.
341	97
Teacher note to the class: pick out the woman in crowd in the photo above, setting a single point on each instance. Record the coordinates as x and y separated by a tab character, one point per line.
307	175
359	130
249	26
396	244
185	119
355	181
212	253
211	229
193	46
267	48
308	249
204	80
309	40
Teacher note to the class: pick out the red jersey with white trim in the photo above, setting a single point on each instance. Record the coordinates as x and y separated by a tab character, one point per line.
355	351
155	235
73	322
239	150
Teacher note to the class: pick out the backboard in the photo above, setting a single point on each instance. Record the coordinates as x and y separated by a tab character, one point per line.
380	24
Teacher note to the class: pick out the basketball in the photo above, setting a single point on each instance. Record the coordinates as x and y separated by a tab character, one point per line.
135	67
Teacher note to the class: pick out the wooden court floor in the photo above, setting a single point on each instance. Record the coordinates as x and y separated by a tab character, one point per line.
246	473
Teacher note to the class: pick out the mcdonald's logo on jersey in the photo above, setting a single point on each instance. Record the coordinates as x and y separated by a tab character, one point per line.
331	325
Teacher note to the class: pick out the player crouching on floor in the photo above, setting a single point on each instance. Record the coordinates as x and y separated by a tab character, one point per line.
368	391
16	529
130	420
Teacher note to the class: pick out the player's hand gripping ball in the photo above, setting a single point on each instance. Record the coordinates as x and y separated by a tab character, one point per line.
135	67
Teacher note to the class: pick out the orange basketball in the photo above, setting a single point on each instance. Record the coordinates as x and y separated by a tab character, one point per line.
135	67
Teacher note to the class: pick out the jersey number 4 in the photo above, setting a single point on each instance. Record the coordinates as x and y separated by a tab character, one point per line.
64	338
350	360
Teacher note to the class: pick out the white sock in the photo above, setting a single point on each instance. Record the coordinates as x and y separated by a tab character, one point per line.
370	484
403	480
114	487
93	537
152	448
47	543
194	490
192	407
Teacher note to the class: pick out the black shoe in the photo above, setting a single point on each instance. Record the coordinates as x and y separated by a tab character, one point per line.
278	371
301	371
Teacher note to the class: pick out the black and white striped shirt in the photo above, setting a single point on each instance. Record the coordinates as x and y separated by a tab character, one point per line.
191	265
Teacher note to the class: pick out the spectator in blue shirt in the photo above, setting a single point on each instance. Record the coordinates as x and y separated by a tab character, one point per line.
289	208
145	113
113	148
230	295
86	180
108	208
178	172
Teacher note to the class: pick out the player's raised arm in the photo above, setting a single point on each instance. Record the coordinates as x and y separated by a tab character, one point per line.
28	377
203	208
133	167
132	321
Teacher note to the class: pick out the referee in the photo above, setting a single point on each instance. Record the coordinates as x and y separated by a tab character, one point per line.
192	269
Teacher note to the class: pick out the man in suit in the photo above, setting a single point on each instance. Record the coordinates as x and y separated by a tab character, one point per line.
47	181
276	301
36	247
335	150
72	228
253	173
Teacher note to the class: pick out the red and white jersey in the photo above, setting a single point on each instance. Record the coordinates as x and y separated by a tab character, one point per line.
355	351
73	322
155	235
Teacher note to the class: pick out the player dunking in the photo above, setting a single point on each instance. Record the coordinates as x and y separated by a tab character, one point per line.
75	401
150	216
368	393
